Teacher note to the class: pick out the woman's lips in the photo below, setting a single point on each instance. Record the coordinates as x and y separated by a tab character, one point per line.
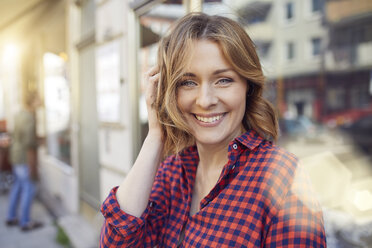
209	120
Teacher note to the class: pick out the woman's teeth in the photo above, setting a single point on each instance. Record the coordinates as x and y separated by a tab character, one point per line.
208	119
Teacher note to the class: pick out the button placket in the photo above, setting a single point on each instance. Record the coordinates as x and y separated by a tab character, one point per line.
232	167
151	206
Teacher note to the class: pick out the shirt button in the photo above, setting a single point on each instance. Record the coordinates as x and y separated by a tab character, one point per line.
151	204
233	167
235	146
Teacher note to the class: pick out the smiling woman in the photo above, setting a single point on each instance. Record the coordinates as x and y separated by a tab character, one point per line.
224	183
210	98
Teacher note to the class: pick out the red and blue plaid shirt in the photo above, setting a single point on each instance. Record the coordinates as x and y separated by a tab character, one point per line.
260	200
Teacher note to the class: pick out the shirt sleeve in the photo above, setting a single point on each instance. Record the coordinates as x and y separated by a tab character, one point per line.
299	220
121	229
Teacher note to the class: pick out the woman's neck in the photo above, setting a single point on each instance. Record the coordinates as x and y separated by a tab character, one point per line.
212	156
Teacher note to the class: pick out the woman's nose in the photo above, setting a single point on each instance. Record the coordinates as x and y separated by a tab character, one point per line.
206	97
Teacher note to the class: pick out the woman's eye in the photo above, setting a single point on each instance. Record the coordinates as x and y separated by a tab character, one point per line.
187	83
225	81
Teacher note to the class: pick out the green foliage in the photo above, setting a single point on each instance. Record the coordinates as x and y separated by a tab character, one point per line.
62	238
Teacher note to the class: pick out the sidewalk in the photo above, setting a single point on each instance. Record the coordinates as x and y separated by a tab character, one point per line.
13	237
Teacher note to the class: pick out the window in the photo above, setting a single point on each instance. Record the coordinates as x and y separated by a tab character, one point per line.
359	97
290	51
315	46
336	98
316	5
257	19
57	107
289	11
87	24
263	49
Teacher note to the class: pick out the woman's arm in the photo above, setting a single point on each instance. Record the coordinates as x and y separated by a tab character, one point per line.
121	229
133	194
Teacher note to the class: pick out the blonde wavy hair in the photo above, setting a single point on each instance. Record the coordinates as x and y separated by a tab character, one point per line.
239	51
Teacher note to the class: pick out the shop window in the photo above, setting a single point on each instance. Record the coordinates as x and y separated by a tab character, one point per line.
336	98
57	107
359	97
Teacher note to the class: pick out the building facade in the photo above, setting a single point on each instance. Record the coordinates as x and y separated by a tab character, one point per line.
347	60
290	37
314	53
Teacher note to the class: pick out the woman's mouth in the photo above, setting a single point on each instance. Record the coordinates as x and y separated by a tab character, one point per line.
209	119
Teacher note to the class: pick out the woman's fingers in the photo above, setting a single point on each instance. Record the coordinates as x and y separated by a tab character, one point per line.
151	79
152	71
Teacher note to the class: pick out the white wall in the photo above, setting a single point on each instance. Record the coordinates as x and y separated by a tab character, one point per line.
60	181
304	26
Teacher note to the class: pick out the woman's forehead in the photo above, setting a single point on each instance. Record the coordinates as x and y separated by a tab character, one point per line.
207	56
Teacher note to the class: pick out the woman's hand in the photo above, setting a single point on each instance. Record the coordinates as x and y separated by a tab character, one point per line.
151	78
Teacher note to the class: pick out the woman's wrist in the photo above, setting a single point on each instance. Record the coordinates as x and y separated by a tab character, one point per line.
155	136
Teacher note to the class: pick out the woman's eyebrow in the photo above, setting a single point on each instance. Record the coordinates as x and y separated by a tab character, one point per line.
221	71
216	72
188	74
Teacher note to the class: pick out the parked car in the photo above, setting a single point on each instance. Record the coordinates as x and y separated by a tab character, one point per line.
361	133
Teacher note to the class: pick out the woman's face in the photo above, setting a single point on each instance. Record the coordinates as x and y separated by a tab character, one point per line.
211	96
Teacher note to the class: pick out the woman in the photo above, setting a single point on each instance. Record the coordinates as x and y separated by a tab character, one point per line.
226	184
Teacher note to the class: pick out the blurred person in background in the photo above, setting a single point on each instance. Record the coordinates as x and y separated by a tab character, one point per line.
225	184
23	154
5	166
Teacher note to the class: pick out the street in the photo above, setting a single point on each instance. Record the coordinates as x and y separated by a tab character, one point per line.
13	237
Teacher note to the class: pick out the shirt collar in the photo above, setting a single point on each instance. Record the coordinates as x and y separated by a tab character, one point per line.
250	139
